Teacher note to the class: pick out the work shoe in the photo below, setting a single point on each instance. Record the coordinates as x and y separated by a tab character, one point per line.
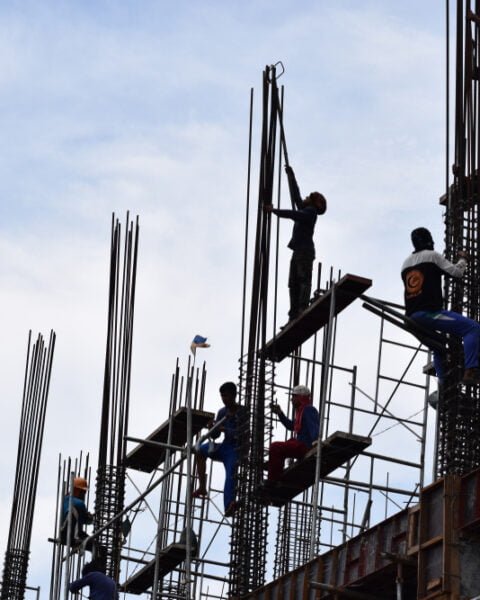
200	493
471	376
231	508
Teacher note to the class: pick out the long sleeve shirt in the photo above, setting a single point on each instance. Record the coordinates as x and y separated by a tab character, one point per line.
302	235
309	428
305	218
101	586
422	277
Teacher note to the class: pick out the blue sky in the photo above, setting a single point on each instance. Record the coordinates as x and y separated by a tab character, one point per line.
143	106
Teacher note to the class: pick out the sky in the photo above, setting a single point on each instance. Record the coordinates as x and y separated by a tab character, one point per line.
108	107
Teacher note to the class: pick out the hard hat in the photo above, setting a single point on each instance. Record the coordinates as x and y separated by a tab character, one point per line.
301	390
80	483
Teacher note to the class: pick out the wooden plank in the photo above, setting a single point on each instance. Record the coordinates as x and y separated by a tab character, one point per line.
296	332
170	557
337	449
147	458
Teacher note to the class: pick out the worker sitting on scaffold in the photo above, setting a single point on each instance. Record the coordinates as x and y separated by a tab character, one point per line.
305	425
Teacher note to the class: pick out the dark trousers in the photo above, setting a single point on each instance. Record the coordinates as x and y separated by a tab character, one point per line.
300	281
279	451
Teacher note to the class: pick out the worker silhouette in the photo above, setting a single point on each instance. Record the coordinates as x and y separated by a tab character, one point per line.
227	451
305	425
101	586
422	275
304	214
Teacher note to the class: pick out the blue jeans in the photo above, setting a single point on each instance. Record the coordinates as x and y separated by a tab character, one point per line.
227	454
448	321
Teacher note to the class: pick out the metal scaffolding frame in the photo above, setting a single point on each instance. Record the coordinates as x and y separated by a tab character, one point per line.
67	560
300	531
458	445
181	523
336	507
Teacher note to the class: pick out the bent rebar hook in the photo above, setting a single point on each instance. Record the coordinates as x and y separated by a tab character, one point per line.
273	69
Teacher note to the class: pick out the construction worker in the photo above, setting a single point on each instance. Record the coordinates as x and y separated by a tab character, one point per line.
227	451
305	426
301	263
79	516
101	586
422	277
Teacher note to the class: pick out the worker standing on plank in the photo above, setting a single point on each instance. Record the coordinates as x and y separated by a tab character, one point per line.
305	426
422	275
304	214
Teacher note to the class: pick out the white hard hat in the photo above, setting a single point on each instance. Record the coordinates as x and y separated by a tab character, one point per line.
301	390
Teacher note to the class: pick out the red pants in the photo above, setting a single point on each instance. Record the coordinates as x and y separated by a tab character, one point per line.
279	451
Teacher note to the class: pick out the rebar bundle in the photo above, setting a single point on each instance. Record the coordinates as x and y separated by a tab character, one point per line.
35	395
458	443
249	533
110	485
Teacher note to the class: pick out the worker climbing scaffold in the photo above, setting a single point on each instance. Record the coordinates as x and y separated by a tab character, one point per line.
305	426
75	517
422	275
231	420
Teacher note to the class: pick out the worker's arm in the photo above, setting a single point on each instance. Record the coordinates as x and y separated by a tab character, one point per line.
293	187
283	419
215	434
80	583
304	216
84	517
454	270
276	410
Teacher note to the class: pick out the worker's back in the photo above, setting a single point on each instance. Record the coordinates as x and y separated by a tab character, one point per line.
101	586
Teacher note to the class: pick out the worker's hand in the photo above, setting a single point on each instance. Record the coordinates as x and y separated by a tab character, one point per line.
89	518
267	208
462	254
211	423
275	408
288	170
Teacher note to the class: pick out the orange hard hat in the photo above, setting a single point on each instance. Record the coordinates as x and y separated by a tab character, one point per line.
79	483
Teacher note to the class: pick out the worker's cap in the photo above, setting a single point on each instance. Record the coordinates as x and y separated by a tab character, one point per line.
301	390
79	483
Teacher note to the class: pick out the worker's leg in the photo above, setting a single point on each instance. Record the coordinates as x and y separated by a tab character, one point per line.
228	455
304	274
448	321
201	468
279	451
293	286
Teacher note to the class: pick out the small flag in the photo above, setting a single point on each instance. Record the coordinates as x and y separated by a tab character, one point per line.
198	342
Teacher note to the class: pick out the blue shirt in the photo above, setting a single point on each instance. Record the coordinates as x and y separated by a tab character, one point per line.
232	425
80	509
309	426
101	586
